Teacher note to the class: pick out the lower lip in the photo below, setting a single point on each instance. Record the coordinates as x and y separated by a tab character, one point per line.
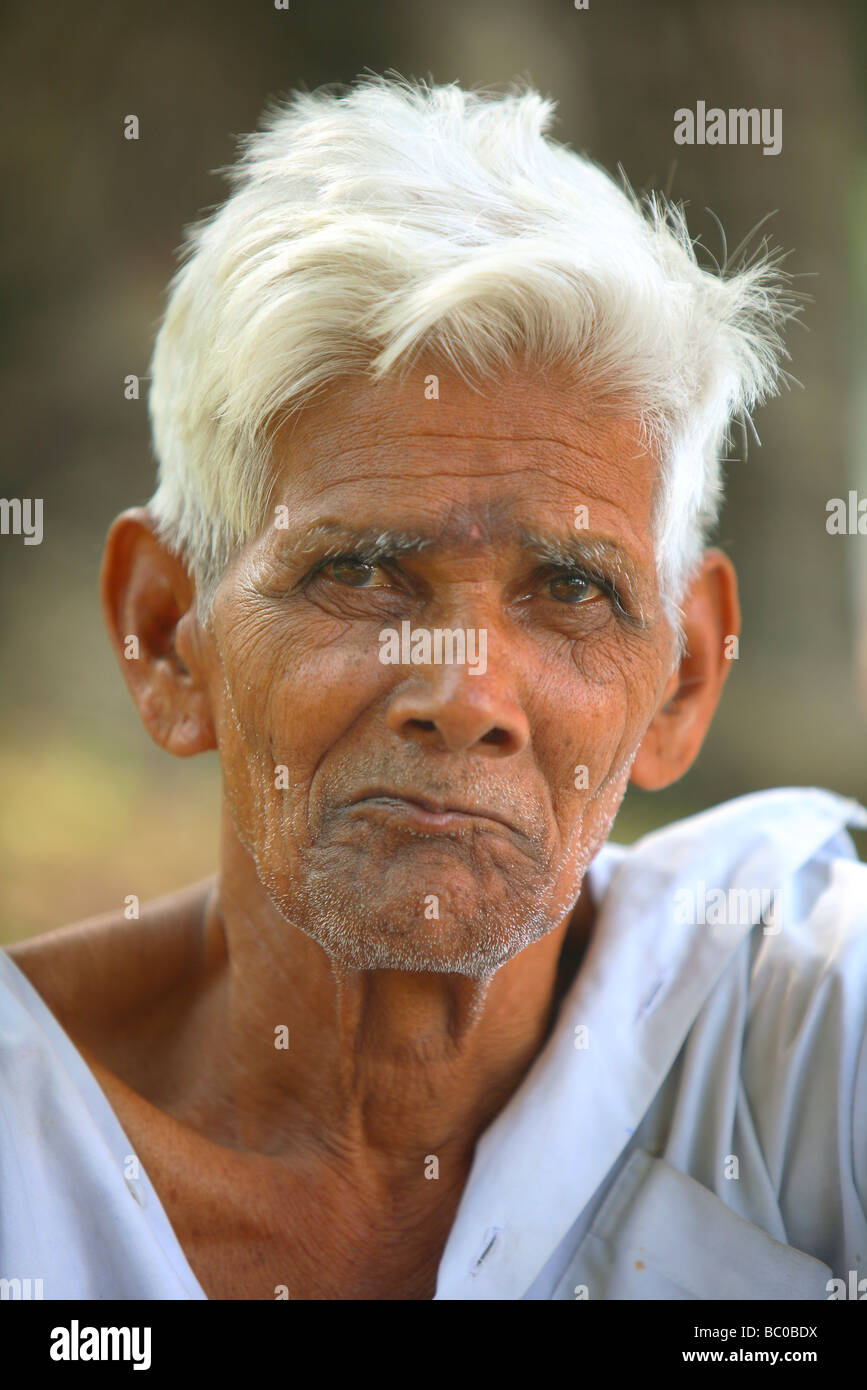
390	809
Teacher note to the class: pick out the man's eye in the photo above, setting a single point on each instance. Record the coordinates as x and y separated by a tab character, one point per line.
354	573
573	588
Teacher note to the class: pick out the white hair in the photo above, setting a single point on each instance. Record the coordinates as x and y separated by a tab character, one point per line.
371	224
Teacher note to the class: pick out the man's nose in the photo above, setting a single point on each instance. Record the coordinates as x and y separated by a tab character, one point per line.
450	708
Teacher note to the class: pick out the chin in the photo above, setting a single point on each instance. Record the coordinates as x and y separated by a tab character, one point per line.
451	927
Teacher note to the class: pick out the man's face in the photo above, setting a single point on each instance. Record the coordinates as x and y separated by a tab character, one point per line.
427	815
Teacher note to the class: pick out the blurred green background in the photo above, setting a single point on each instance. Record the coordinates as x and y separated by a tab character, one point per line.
90	810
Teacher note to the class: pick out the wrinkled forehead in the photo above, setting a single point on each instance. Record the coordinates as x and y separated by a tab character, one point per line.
475	464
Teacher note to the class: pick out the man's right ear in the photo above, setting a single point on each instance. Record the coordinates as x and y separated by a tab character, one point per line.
149	610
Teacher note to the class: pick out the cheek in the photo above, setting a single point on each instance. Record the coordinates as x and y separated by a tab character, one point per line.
594	705
286	701
587	743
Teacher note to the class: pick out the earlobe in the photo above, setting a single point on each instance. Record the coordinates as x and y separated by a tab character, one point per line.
147	598
711	620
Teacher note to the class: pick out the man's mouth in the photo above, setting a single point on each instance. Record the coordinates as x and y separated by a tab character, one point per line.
428	813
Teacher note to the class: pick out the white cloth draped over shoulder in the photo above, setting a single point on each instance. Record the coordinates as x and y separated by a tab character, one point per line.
694	1128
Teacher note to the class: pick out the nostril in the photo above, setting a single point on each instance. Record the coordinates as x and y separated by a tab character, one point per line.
496	736
426	724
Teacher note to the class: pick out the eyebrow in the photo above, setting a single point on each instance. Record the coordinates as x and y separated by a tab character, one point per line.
378	544
599	557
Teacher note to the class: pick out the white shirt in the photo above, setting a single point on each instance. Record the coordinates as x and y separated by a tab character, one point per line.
694	1128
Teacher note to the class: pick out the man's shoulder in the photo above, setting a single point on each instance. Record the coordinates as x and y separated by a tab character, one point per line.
93	972
781	861
796	822
762	840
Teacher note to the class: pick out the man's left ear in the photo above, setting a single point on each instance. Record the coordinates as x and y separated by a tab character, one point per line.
711	625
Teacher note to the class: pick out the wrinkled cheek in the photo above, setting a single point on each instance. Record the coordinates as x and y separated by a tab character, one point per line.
586	733
261	785
611	659
591	827
618	684
593	767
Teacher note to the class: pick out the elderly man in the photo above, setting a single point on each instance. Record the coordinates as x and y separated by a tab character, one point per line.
439	412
